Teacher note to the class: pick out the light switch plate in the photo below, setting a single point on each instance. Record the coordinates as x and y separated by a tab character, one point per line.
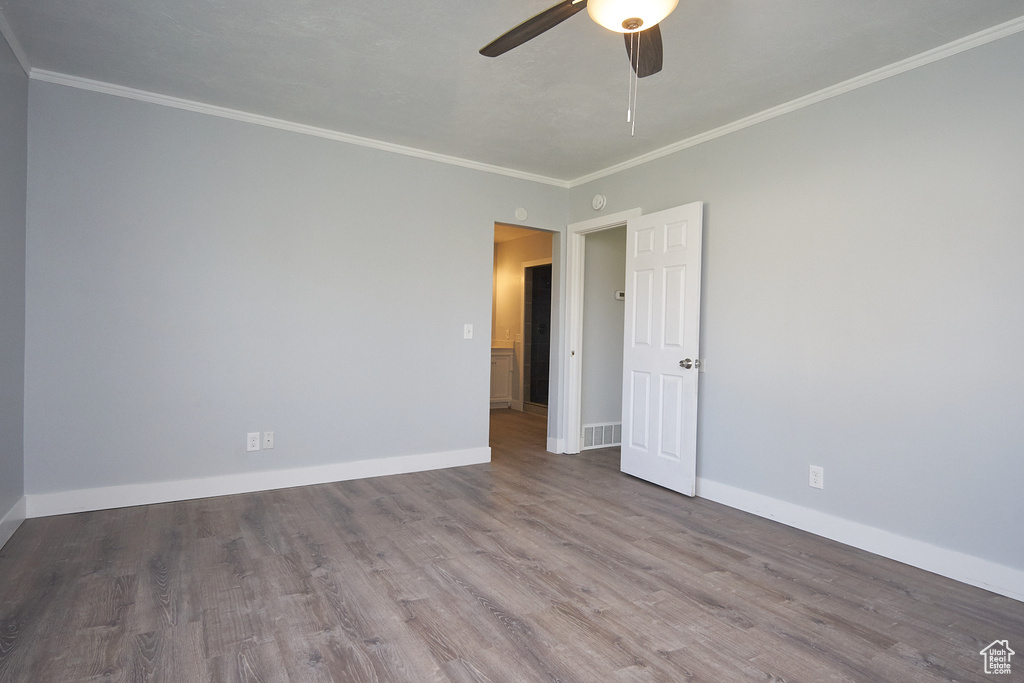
467	331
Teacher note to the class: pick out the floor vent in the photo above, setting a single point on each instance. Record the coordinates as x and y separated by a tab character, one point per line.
599	436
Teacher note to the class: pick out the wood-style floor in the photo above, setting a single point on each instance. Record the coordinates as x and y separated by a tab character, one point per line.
535	567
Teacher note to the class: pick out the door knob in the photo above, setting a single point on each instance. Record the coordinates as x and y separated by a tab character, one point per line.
686	363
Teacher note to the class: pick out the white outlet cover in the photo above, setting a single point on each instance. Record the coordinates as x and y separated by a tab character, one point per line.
816	477
268	439
252	441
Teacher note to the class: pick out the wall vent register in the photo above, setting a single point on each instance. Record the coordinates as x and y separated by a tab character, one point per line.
602	435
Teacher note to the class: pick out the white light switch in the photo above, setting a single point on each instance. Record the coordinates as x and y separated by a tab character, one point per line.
467	331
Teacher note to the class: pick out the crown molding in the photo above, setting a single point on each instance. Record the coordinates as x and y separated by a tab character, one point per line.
12	40
925	58
280	124
957	46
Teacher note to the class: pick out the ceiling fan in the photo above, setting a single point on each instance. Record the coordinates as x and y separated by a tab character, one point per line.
628	17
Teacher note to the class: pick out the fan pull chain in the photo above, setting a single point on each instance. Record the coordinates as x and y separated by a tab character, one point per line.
629	91
634	82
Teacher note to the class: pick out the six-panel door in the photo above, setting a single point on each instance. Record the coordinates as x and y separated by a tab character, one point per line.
659	394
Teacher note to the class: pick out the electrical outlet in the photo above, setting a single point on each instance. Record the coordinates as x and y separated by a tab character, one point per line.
252	441
268	439
817	477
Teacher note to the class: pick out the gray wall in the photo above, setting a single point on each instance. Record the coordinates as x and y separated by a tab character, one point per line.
604	272
192	278
863	300
13	174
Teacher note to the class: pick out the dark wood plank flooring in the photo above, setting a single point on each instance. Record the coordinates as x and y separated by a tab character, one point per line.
535	567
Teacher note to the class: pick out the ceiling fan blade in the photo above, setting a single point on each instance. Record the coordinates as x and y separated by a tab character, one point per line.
533	27
646	52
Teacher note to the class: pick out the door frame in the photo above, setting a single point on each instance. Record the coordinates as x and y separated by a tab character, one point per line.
571	346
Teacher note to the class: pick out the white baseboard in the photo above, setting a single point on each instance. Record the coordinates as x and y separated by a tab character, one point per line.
82	500
11	520
556	445
949	563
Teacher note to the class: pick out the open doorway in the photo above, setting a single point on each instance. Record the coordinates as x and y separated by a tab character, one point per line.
521	319
604	285
536	337
661	360
570	436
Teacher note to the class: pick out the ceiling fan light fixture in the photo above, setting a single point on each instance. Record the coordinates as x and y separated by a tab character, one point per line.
629	16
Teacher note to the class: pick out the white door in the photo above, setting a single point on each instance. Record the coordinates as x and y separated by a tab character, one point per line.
659	365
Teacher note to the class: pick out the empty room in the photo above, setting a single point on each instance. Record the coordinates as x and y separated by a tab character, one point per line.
272	408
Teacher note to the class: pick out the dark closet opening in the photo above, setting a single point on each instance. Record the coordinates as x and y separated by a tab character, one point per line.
536	337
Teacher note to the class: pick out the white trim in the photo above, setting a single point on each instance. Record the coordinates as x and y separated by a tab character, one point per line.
556	445
12	40
280	124
10	522
955	565
981	38
572	339
948	50
81	500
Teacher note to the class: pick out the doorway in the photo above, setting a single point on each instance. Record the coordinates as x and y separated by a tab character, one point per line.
661	340
604	285
571	437
521	328
536	337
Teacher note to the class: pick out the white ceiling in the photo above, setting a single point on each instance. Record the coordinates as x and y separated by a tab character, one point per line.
408	73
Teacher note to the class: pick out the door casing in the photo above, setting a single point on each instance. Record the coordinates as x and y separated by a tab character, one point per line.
571	346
